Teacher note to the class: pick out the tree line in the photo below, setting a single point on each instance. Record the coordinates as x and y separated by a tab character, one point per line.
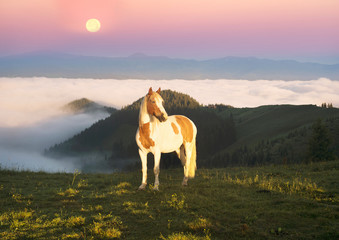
314	143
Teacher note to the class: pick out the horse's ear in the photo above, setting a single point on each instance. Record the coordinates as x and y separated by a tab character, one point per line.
150	91
159	90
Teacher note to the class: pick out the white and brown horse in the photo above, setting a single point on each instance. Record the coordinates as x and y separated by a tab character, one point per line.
159	133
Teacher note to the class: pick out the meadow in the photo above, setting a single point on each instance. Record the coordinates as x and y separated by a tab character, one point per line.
269	202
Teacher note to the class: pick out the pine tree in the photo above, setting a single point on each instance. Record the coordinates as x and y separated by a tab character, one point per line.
320	143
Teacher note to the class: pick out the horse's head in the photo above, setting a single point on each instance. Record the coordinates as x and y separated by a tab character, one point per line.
155	105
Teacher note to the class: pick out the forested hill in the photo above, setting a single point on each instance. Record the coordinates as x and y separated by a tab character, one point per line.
281	134
226	135
172	100
114	137
85	105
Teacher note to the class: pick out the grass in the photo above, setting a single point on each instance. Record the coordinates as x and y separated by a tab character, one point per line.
271	121
271	202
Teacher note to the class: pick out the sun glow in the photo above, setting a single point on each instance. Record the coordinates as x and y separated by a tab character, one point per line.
93	25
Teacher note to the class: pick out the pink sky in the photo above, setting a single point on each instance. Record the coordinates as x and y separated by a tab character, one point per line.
176	28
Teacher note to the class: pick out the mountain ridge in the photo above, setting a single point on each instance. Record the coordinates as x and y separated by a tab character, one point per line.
141	66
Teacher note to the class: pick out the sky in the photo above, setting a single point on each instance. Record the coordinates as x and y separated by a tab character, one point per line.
199	29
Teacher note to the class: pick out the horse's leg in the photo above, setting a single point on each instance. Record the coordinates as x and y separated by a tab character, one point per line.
187	163
182	156
157	156
143	157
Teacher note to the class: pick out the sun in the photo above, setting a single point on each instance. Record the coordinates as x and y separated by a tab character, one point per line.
93	25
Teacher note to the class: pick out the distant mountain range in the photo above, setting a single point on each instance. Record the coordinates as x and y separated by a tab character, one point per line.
140	66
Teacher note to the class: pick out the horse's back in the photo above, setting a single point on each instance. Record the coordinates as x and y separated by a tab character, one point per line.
179	130
187	126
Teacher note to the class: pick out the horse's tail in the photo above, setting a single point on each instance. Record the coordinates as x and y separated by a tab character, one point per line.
193	161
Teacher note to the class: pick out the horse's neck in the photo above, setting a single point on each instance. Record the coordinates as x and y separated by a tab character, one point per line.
144	117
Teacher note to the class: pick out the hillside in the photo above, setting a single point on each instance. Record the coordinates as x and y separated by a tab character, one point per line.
226	135
140	66
275	202
114	137
271	121
276	134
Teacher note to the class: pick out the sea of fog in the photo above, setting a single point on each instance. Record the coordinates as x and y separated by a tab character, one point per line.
31	118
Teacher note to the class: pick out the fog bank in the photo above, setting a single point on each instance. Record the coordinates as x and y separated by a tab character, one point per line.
22	147
25	101
31	118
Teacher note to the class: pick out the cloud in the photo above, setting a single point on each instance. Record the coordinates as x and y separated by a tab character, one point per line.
34	161
31	118
22	147
42	135
25	101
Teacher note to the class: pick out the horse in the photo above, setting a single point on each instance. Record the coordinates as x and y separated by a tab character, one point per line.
159	133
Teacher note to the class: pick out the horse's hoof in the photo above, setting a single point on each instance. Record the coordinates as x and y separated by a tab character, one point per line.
184	182
142	187
156	188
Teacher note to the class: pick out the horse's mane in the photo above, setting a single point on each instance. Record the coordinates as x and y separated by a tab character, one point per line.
143	108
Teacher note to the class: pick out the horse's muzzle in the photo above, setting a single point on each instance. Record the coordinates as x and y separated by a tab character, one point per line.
162	118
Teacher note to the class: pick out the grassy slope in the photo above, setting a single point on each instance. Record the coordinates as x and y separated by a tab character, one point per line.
272	202
256	124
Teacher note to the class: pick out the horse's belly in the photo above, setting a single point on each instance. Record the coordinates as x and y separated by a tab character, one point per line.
170	143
